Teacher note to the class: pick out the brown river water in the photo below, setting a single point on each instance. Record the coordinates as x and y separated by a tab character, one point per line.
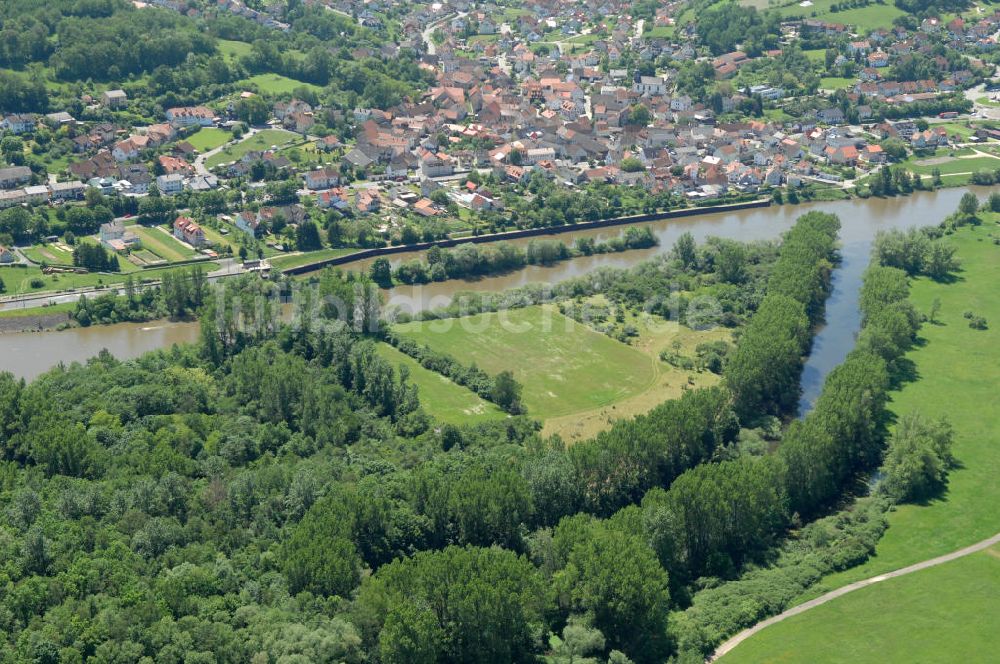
29	354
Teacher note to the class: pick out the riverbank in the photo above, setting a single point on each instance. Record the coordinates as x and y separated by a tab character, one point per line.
521	233
28	354
954	375
37	319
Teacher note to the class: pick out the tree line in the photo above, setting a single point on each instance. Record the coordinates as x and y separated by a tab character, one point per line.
469	260
278	491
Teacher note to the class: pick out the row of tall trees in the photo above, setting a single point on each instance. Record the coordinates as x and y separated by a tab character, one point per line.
278	491
763	372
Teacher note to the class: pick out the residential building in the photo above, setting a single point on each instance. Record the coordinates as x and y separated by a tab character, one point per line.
114	236
187	230
248	222
114	98
188	116
13	176
323	178
19	123
170	184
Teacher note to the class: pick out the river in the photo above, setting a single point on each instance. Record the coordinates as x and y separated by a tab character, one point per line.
30	353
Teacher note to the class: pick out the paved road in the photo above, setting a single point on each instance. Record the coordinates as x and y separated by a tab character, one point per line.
823	599
428	33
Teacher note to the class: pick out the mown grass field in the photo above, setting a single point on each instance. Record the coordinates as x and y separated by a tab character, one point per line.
942	614
262	140
654	335
576	380
209	138
295	260
960	128
951	166
836	83
163	245
956	373
48	253
440	397
234	49
816	55
564	367
864	19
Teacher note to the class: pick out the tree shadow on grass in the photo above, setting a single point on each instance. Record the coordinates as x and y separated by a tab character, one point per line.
940	493
902	371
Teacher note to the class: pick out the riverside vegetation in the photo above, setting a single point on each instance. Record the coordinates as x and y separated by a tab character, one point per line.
278	493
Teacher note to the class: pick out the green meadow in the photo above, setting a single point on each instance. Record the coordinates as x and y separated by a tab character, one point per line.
262	140
564	367
209	138
941	614
277	84
954	374
445	400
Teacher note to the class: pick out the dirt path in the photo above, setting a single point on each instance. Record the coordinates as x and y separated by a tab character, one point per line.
833	594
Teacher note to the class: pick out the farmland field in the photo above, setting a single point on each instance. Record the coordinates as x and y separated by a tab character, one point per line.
209	138
262	140
955	376
439	396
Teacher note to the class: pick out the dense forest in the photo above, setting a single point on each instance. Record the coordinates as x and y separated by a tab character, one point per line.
277	493
173	59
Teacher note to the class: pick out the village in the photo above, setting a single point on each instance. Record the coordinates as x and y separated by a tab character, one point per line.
549	99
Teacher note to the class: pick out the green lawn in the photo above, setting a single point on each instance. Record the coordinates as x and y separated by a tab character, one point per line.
942	614
64	308
209	138
659	31
563	366
836	83
262	140
163	245
18	280
48	253
440	397
957	376
233	49
215	237
276	84
963	130
295	260
864	19
816	55
971	165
